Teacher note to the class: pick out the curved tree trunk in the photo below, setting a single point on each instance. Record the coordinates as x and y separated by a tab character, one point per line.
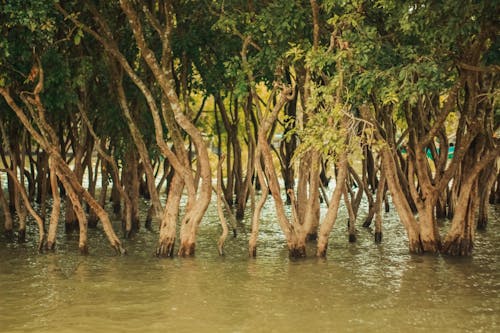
53	151
330	218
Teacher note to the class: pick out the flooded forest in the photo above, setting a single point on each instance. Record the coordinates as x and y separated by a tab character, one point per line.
249	166
137	116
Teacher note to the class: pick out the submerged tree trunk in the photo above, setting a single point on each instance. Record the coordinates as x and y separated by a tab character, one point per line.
50	146
331	215
486	180
56	207
8	222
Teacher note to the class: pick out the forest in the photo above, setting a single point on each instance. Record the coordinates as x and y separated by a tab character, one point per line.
315	105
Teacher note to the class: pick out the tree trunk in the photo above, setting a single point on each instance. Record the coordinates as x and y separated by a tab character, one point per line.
331	214
170	217
486	180
252	241
56	207
8	223
130	179
459	240
53	151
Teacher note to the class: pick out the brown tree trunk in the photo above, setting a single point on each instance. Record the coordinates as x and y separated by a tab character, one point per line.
168	224
486	180
378	207
8	223
79	140
56	206
247	186
130	179
74	198
22	193
53	151
252	240
330	218
459	240
220	211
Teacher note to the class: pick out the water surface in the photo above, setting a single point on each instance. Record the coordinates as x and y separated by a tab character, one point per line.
360	287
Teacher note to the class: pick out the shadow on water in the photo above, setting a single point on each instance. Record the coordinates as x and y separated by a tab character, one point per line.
359	287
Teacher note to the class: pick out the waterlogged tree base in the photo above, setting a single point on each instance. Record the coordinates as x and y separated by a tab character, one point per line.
298	251
84	249
352	238
148	224
166	248
252	252
51	246
9	234
119	249
71	226
187	249
458	246
433	247
321	251
415	247
482	223
41	243
92	223
21	236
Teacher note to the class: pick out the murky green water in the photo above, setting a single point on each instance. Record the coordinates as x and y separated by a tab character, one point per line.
359	288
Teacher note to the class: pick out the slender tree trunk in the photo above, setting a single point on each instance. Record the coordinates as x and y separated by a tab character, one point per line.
53	151
22	193
486	180
80	215
220	211
378	207
331	215
8	222
56	207
252	241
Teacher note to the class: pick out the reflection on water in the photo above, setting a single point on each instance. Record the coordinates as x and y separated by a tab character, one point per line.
360	287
